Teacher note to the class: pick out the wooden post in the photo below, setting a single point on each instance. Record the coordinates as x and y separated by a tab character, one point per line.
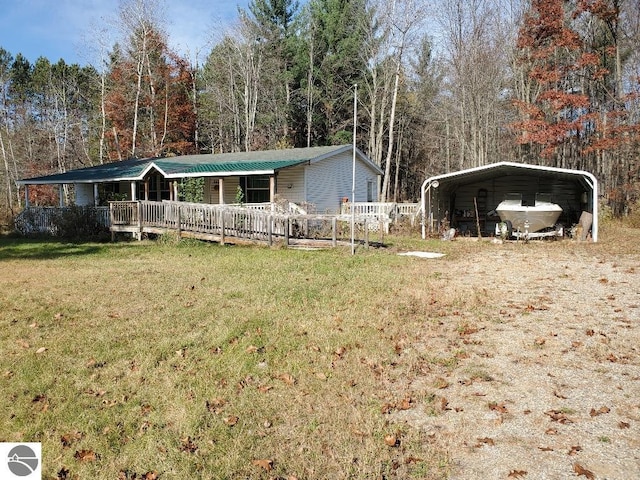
139	214
111	222
475	204
286	230
270	229
272	188
221	191
366	234
221	227
179	219
334	231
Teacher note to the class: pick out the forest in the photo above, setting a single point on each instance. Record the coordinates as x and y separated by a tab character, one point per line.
441	85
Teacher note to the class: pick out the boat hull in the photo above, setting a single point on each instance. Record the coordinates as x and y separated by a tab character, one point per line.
529	218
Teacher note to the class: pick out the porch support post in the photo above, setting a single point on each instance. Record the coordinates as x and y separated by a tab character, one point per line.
96	198
175	191
26	196
221	191
146	189
61	195
133	192
272	188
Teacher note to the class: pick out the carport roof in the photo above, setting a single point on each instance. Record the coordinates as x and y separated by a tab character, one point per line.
207	165
472	175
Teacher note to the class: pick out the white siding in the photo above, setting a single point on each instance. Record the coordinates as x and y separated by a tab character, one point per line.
329	180
290	184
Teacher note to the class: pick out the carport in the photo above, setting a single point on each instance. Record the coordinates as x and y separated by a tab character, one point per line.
467	199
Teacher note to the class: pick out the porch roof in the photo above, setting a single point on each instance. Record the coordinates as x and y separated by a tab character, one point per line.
208	165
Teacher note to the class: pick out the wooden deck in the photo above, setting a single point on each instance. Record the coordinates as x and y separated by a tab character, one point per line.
234	224
267	223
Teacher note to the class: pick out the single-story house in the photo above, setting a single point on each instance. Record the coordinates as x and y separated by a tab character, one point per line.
455	197
320	176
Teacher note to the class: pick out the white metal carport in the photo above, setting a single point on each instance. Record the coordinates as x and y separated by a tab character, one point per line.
450	193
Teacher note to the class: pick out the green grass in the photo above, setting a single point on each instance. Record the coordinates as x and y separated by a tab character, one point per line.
153	349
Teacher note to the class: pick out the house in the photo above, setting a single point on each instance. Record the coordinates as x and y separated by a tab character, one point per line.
320	176
467	199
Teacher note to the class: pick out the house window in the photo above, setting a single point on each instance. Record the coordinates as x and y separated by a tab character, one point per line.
370	191
255	189
159	189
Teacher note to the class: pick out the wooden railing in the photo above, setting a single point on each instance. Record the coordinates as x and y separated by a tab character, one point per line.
227	222
222	223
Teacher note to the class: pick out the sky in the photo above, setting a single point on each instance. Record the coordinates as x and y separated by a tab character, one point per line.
66	29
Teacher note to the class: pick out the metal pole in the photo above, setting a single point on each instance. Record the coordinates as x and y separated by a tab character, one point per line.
353	174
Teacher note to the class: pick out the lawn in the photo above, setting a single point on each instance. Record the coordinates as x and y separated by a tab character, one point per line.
147	360
194	360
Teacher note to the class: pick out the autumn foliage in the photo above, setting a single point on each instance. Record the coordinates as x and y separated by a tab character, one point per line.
148	104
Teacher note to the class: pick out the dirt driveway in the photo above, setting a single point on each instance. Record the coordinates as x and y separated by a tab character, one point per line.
528	365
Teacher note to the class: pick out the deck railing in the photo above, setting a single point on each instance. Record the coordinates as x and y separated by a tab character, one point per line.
224	222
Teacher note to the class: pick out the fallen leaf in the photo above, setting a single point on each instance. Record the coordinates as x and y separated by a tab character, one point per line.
266	464
498	407
485	441
85	455
63	474
252	349
58	316
440	383
391	440
540	341
405	404
545	449
551	431
41	350
559	395
517	473
68	438
623	425
580	470
590	332
188	445
600	411
150	476
288	379
574	450
231	420
558	416
215	405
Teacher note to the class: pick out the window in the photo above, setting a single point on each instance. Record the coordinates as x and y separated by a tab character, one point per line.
370	191
159	188
255	189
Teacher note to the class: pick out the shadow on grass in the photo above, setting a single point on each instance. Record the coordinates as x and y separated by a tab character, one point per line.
13	248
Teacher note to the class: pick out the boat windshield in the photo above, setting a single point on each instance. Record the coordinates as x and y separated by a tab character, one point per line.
513	197
543	197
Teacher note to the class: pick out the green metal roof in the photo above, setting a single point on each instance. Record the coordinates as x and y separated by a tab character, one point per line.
221	164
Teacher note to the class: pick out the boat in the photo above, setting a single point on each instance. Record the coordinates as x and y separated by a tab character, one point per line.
528	217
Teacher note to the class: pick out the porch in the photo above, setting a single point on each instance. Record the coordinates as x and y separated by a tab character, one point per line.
262	223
